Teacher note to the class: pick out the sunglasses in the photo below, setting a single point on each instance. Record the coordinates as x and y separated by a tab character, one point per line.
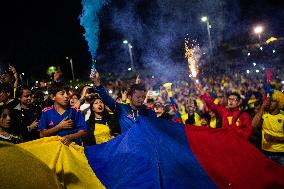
234	99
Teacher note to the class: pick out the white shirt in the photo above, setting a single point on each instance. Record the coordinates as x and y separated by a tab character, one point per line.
85	109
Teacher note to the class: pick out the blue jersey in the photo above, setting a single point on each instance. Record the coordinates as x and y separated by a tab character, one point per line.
50	118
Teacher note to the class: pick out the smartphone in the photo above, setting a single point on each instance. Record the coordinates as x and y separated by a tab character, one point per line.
91	91
155	93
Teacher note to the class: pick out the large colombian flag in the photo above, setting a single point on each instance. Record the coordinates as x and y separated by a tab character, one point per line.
159	154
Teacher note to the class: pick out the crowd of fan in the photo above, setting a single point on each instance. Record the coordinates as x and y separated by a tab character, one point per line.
93	115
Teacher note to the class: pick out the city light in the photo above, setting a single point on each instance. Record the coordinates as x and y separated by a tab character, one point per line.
125	42
110	91
248	54
261	48
258	29
129	69
254	64
247	71
273	51
257	71
204	19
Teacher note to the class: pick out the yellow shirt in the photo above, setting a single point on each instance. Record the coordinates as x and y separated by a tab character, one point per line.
102	133
273	125
184	117
213	123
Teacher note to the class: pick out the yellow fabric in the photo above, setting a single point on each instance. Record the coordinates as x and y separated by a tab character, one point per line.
184	117
197	119
213	123
102	133
20	169
199	103
68	162
272	125
230	120
278	96
251	103
183	110
216	101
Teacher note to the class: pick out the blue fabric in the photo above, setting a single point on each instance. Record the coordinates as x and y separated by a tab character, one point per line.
126	116
152	154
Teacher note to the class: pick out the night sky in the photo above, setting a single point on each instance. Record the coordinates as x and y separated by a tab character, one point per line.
38	34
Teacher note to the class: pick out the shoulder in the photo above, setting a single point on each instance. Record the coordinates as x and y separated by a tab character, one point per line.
47	109
75	109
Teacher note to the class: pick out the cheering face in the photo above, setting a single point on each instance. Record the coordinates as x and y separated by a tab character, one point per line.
138	97
273	105
98	106
5	119
61	98
26	98
233	101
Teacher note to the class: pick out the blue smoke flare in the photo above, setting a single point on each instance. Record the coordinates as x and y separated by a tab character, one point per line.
89	19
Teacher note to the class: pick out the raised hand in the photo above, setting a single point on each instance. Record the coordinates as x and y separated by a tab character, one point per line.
95	77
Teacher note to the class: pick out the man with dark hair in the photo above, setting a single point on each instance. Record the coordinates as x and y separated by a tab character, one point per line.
231	116
127	114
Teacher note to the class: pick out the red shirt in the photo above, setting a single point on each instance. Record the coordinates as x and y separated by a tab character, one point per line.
242	125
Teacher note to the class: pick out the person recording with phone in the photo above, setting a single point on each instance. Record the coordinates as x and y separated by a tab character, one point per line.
87	94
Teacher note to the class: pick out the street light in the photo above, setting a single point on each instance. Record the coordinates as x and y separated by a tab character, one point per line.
205	19
130	54
258	31
71	64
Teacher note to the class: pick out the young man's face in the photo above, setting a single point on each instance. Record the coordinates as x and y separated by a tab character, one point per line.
137	98
26	98
61	98
233	101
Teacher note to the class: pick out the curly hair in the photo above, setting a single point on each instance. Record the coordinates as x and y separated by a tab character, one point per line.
278	96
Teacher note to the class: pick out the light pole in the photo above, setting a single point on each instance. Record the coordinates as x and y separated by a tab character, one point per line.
71	64
130	54
205	19
258	31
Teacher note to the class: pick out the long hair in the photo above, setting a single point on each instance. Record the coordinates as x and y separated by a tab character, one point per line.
92	118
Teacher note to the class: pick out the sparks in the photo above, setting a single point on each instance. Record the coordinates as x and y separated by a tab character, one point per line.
192	55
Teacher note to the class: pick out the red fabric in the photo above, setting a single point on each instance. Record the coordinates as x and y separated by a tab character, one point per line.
242	126
231	161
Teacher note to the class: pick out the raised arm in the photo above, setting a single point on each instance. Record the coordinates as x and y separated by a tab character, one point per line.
107	100
208	100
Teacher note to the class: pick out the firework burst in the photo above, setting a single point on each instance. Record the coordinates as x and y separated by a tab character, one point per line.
192	54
